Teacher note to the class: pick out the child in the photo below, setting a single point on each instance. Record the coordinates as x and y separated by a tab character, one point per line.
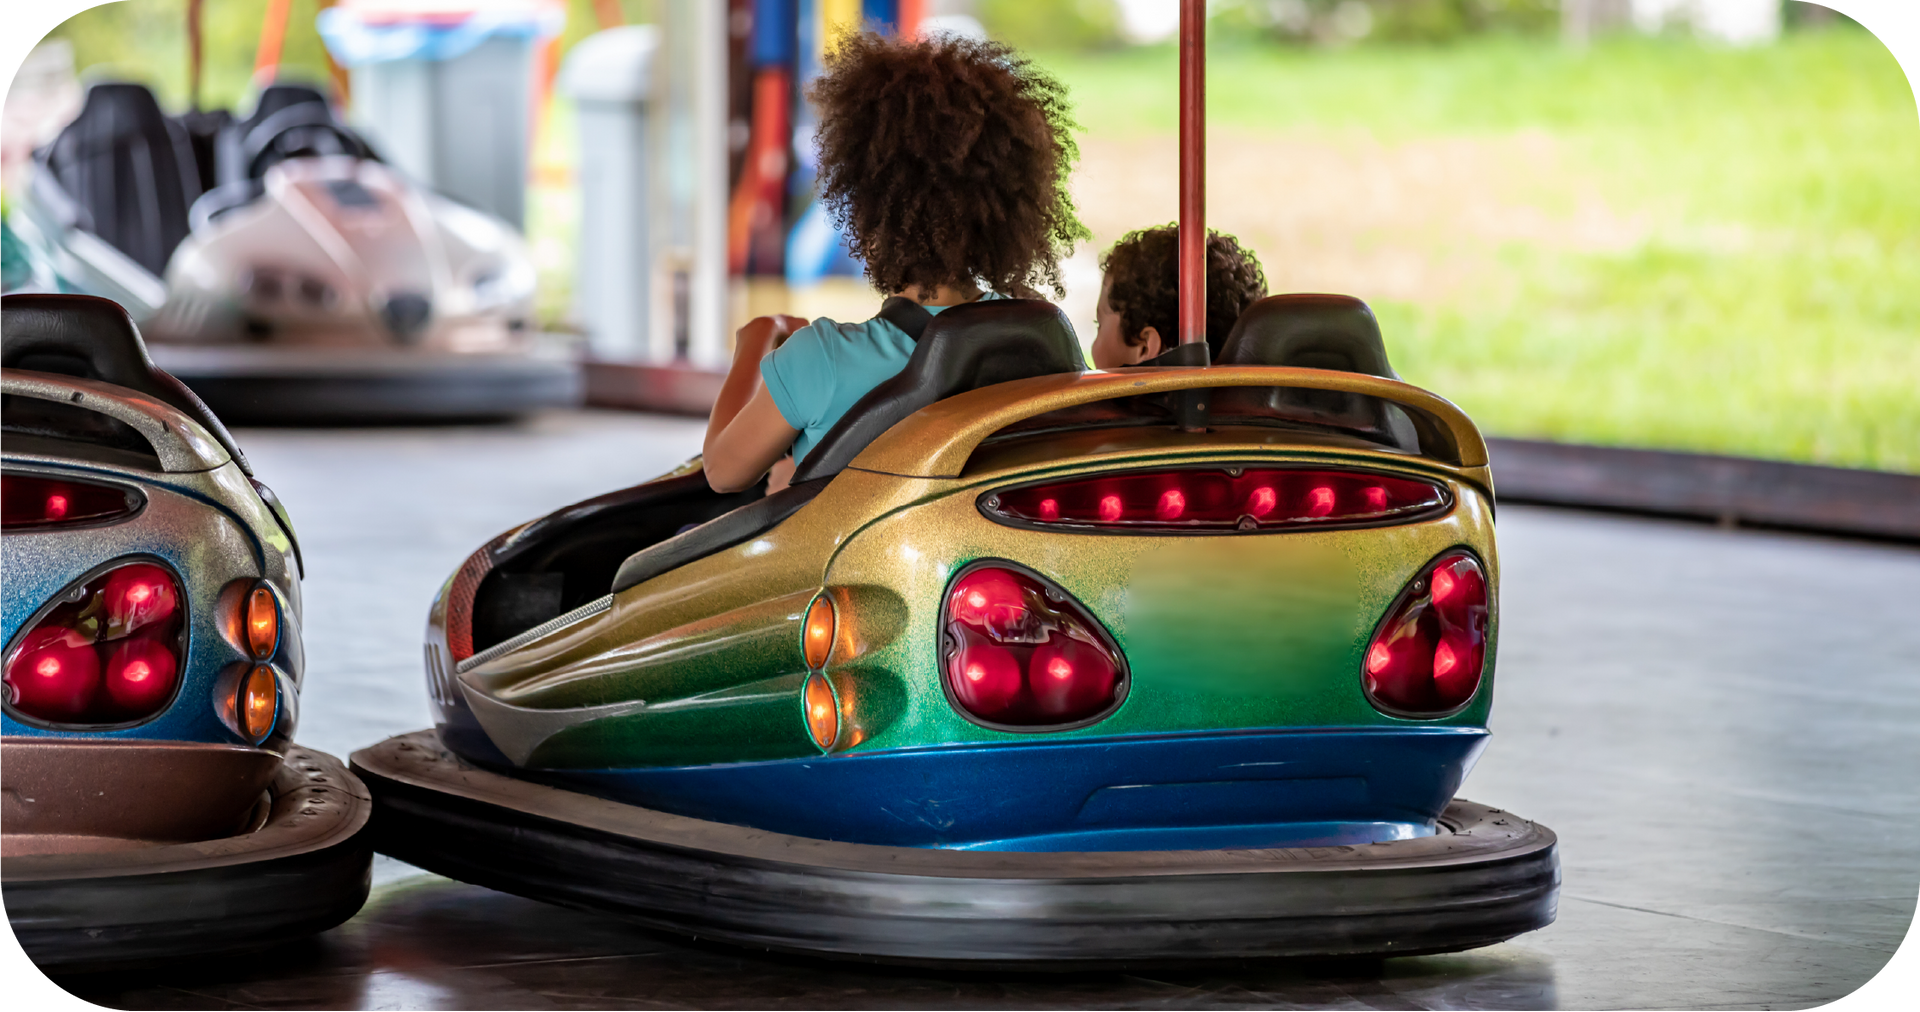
945	161
1139	312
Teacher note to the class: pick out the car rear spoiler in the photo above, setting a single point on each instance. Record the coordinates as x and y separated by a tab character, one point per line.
936	441
182	444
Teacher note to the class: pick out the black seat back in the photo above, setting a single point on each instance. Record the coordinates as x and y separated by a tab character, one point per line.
288	120
129	171
1309	332
92	338
963	348
1334	332
203	129
276	97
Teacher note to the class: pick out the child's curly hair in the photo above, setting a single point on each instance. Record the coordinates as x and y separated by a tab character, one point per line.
945	160
1143	272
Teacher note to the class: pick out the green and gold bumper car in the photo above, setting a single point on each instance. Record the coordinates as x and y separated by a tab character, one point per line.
1029	666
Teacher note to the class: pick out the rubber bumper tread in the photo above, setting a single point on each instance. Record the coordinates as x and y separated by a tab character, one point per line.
306	869
253	388
1486	877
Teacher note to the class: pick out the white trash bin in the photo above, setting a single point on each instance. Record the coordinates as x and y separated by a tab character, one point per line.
444	91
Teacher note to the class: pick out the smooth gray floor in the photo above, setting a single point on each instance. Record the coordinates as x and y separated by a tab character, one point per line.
1723	727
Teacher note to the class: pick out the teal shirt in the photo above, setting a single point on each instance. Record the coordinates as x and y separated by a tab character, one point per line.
820	371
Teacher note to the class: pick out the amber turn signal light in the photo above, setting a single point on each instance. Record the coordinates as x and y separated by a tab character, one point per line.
259	703
823	714
263	623
817	640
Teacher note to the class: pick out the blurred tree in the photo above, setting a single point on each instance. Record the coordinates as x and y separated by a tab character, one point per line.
1052	24
146	41
1334	22
584	17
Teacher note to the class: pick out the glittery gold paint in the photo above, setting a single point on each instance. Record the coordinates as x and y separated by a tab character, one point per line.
1224	631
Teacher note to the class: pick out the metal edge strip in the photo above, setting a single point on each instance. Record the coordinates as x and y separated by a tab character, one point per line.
547	628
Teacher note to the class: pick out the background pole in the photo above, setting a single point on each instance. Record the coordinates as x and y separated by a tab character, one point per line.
195	56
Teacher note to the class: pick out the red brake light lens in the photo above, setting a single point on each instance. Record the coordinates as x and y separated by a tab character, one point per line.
109	653
1196	501
1426	659
30	501
1019	652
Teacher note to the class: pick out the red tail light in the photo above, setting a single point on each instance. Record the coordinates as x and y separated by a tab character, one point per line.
1019	652
108	654
30	501
1195	501
1427	657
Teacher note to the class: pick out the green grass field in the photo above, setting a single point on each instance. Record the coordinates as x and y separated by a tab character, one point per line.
1718	250
1768	303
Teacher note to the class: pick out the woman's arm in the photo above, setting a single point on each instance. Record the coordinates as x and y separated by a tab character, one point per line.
751	443
746	433
750	344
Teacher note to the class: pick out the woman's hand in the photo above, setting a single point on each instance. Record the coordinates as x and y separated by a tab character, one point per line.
762	334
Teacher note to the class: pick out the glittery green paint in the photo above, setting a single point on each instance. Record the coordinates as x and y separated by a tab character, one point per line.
1258	630
759	720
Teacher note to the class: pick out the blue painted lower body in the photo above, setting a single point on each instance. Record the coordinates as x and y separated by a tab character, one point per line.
1196	791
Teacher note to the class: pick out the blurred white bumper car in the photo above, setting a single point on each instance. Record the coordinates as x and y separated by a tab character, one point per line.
283	272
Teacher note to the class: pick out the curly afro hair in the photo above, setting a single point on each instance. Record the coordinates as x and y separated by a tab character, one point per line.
1143	274
945	161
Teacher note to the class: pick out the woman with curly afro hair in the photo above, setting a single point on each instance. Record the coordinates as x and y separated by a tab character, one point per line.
944	160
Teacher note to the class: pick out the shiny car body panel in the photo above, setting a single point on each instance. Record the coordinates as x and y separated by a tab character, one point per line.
1195	790
206	523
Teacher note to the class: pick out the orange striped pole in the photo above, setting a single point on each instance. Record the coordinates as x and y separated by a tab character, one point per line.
273	35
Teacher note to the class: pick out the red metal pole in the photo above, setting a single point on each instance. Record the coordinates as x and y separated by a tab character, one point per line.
912	12
1193	171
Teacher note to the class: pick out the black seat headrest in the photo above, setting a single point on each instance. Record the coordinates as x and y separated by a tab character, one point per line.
129	170
92	338
275	97
1315	332
1311	332
963	348
287	119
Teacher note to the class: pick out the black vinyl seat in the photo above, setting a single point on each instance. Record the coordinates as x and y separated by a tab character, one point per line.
288	121
129	173
93	338
204	128
278	96
963	348
1310	331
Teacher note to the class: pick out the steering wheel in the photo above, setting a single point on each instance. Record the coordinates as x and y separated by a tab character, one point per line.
307	127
